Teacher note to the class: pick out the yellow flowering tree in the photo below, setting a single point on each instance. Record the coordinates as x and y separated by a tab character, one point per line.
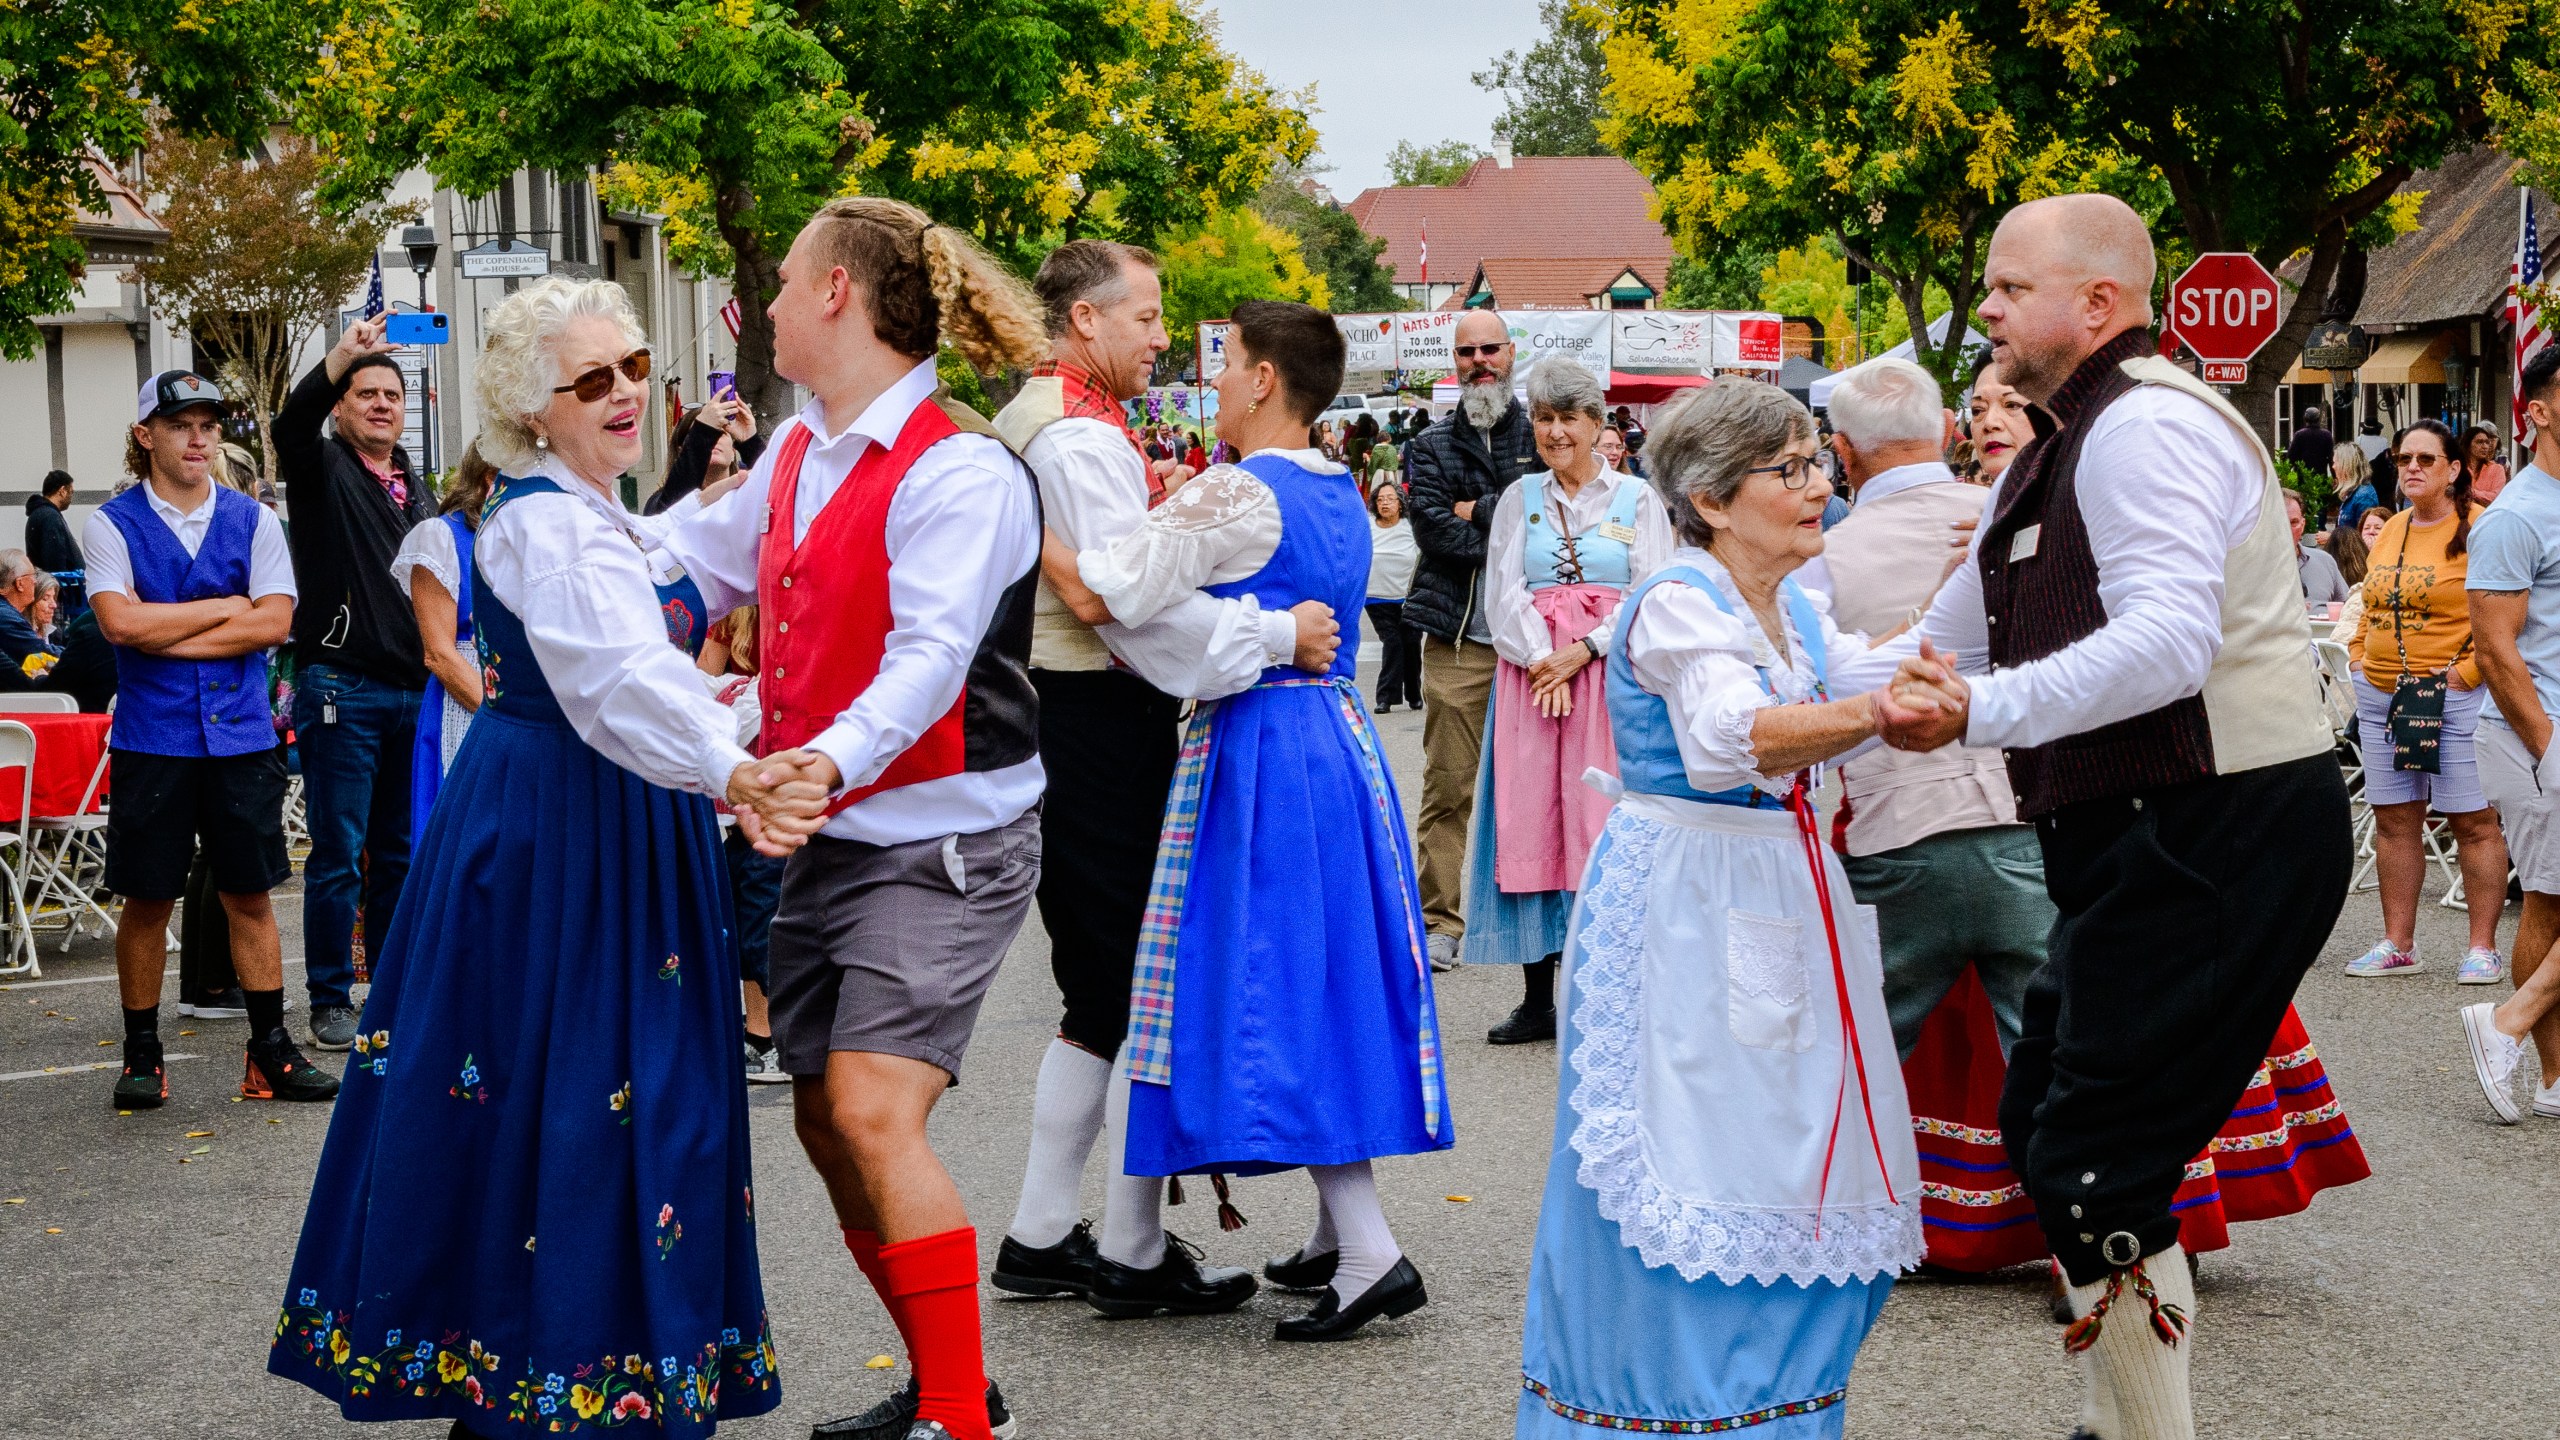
1027	122
1899	131
1235	255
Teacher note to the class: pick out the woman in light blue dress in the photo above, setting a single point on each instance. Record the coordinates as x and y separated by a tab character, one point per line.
1733	1185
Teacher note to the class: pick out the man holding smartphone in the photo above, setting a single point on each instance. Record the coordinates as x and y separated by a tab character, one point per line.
354	496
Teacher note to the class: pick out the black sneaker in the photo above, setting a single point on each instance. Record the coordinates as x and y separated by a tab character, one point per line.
144	1084
277	1070
1065	1268
1525	1026
227	1005
333	1027
1177	1285
894	1417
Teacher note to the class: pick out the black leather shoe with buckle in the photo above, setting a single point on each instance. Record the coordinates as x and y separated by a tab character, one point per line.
1177	1285
1398	1292
1065	1268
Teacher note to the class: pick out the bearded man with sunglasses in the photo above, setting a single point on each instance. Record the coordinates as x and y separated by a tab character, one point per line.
360	668
1456	471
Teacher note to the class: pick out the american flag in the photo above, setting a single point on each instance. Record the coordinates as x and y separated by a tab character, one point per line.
2523	320
373	305
729	316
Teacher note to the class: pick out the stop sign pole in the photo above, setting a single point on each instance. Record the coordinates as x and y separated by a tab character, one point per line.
2225	307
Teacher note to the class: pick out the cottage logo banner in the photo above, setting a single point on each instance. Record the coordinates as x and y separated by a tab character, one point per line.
1578	336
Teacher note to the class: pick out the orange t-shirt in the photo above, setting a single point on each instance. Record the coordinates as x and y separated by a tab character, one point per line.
2411	583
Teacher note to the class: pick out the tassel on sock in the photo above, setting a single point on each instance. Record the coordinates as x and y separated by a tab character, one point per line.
1230	1218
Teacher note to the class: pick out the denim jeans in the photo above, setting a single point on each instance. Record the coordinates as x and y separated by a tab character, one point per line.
355	733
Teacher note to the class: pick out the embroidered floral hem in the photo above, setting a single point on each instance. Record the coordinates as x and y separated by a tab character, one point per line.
730	1377
1721	1425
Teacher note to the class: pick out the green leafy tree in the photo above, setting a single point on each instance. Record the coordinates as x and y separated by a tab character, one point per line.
1234	255
255	265
1723	277
2344	101
1899	131
1446	163
78	81
1332	243
1551	95
1026	122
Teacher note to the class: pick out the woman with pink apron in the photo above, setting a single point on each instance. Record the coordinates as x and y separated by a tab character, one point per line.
1566	544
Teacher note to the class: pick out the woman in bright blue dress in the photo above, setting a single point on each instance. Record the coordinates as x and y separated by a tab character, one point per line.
1733	1185
534	1214
1282	1014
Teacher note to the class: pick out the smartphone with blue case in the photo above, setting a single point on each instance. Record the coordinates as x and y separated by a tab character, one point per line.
418	327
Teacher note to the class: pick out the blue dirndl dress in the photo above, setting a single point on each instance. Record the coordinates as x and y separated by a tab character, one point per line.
436	711
1669	1314
534	1212
1282	1013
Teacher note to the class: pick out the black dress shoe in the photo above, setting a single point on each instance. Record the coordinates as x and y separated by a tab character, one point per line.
1302	1271
892	1418
1065	1268
1525	1026
1176	1286
1398	1292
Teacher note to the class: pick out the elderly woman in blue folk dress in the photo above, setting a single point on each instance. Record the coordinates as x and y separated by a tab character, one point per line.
1733	1185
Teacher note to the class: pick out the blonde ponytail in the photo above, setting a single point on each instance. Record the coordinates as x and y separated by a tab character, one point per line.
926	283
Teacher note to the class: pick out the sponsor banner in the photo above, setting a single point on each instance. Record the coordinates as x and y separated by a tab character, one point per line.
1368	343
1744	340
1423	338
1214	335
1676	342
1579	336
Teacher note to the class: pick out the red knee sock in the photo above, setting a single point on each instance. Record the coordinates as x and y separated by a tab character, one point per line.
865	1245
932	1286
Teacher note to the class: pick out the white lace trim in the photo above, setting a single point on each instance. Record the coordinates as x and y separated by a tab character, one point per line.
1216	497
1731	1242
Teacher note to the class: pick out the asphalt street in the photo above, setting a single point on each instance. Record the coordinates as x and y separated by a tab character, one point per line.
142	1257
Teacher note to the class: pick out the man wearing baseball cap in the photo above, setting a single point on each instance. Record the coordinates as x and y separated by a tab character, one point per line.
193	584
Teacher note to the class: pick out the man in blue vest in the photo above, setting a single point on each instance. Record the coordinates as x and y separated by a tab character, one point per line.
193	584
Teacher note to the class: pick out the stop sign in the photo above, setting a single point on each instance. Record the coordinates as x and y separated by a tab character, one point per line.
2225	306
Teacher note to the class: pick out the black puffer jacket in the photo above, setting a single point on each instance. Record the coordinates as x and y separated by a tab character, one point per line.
1445	464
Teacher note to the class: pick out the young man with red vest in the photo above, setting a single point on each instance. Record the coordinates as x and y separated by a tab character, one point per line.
891	541
2133	634
1109	737
193	584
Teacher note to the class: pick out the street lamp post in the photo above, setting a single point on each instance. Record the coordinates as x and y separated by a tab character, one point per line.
420	242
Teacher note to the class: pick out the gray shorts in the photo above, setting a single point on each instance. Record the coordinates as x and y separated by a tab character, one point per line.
2525	811
890	949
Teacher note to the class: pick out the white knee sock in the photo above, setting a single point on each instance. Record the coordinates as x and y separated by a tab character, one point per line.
2137	1381
1349	1195
1066	1113
1132	1205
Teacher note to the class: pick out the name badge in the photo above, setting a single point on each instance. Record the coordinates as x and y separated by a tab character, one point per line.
2023	545
1623	534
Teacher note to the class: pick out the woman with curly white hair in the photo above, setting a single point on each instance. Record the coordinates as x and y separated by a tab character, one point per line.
534	1210
1733	1184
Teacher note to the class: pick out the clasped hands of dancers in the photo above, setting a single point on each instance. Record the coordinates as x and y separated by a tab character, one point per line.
534	1213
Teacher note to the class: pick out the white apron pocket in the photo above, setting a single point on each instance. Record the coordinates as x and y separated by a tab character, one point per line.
1767	983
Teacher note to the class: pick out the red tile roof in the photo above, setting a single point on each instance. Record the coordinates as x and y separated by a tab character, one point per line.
1520	283
1540	208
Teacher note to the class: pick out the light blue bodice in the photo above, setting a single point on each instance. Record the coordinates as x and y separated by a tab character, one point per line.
1648	743
1552	557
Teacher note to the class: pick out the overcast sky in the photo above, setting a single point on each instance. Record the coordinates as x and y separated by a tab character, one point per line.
1384	70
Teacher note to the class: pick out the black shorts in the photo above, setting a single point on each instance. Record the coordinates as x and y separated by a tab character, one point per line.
159	805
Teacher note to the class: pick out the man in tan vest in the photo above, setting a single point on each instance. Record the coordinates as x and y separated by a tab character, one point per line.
1934	840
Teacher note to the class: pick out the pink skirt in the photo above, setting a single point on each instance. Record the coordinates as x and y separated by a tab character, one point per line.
1545	819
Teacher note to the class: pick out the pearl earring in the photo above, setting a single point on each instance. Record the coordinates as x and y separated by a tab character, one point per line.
541	442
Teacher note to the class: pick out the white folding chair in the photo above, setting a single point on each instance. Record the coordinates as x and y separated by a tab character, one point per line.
38	702
67	877
18	752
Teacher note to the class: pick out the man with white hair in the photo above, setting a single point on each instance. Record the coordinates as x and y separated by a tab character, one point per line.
2132	635
1934	841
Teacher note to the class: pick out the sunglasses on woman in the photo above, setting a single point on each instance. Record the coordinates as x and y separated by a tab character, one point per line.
596	384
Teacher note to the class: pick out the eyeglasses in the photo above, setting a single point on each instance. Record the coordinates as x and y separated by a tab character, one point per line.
1794	472
1468	352
598	383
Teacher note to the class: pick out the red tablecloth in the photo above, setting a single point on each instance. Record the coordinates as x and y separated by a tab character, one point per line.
67	751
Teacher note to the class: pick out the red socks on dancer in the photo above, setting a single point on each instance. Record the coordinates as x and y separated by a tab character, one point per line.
931	1289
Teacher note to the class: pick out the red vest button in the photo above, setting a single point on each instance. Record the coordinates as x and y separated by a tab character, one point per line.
784	628
786	582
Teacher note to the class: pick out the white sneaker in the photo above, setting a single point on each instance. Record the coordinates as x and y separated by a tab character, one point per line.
2493	1060
1444	953
2546	1101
